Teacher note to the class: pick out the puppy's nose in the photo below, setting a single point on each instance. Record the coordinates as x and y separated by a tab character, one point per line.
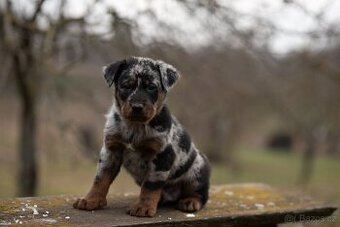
137	107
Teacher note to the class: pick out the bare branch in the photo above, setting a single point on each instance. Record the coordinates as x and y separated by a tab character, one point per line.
37	10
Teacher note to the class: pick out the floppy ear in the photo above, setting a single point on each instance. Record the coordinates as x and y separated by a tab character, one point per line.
169	75
111	72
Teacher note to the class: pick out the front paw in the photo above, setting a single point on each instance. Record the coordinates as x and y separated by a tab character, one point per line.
90	203
142	210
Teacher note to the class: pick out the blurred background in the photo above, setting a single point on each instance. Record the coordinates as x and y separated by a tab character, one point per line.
259	92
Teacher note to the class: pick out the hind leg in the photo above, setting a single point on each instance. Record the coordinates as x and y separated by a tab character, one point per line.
193	200
195	193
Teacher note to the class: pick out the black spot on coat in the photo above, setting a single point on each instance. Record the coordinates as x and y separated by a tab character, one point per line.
162	121
184	141
116	117
203	179
165	159
185	167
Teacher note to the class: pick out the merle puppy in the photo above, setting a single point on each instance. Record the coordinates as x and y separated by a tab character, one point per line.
152	145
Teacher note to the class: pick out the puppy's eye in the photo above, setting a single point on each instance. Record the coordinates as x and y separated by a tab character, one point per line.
126	86
152	87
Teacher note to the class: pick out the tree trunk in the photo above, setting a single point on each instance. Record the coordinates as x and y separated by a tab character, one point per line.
27	80
28	164
307	161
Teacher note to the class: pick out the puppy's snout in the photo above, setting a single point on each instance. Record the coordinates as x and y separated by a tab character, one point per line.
137	108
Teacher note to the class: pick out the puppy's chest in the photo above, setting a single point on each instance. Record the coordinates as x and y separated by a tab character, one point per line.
137	163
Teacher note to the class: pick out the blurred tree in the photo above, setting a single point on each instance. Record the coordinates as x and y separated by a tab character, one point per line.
230	81
29	48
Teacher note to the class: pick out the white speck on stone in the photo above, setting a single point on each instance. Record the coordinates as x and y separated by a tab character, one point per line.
259	205
35	211
169	218
67	217
35	206
271	204
45	215
16	220
21	216
47	212
190	215
23	209
229	193
20	222
49	220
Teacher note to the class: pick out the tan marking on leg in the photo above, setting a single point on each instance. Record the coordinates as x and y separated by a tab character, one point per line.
147	204
96	198
114	142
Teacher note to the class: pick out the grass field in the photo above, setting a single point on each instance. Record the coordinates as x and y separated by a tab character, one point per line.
67	174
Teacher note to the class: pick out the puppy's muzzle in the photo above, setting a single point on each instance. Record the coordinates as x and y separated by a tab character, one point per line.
137	108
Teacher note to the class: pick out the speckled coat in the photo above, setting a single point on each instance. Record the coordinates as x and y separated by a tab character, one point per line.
141	134
178	161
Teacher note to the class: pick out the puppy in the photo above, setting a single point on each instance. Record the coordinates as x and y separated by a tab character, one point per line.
142	135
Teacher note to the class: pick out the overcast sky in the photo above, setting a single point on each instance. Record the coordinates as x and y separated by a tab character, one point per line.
286	16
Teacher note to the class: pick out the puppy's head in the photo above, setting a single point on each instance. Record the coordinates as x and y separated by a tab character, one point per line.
141	85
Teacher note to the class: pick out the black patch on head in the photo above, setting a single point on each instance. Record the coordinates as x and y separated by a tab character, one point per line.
185	167
184	141
153	96
100	160
162	121
165	159
172	77
142	95
148	89
123	93
112	71
168	74
153	185
125	78
116	117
